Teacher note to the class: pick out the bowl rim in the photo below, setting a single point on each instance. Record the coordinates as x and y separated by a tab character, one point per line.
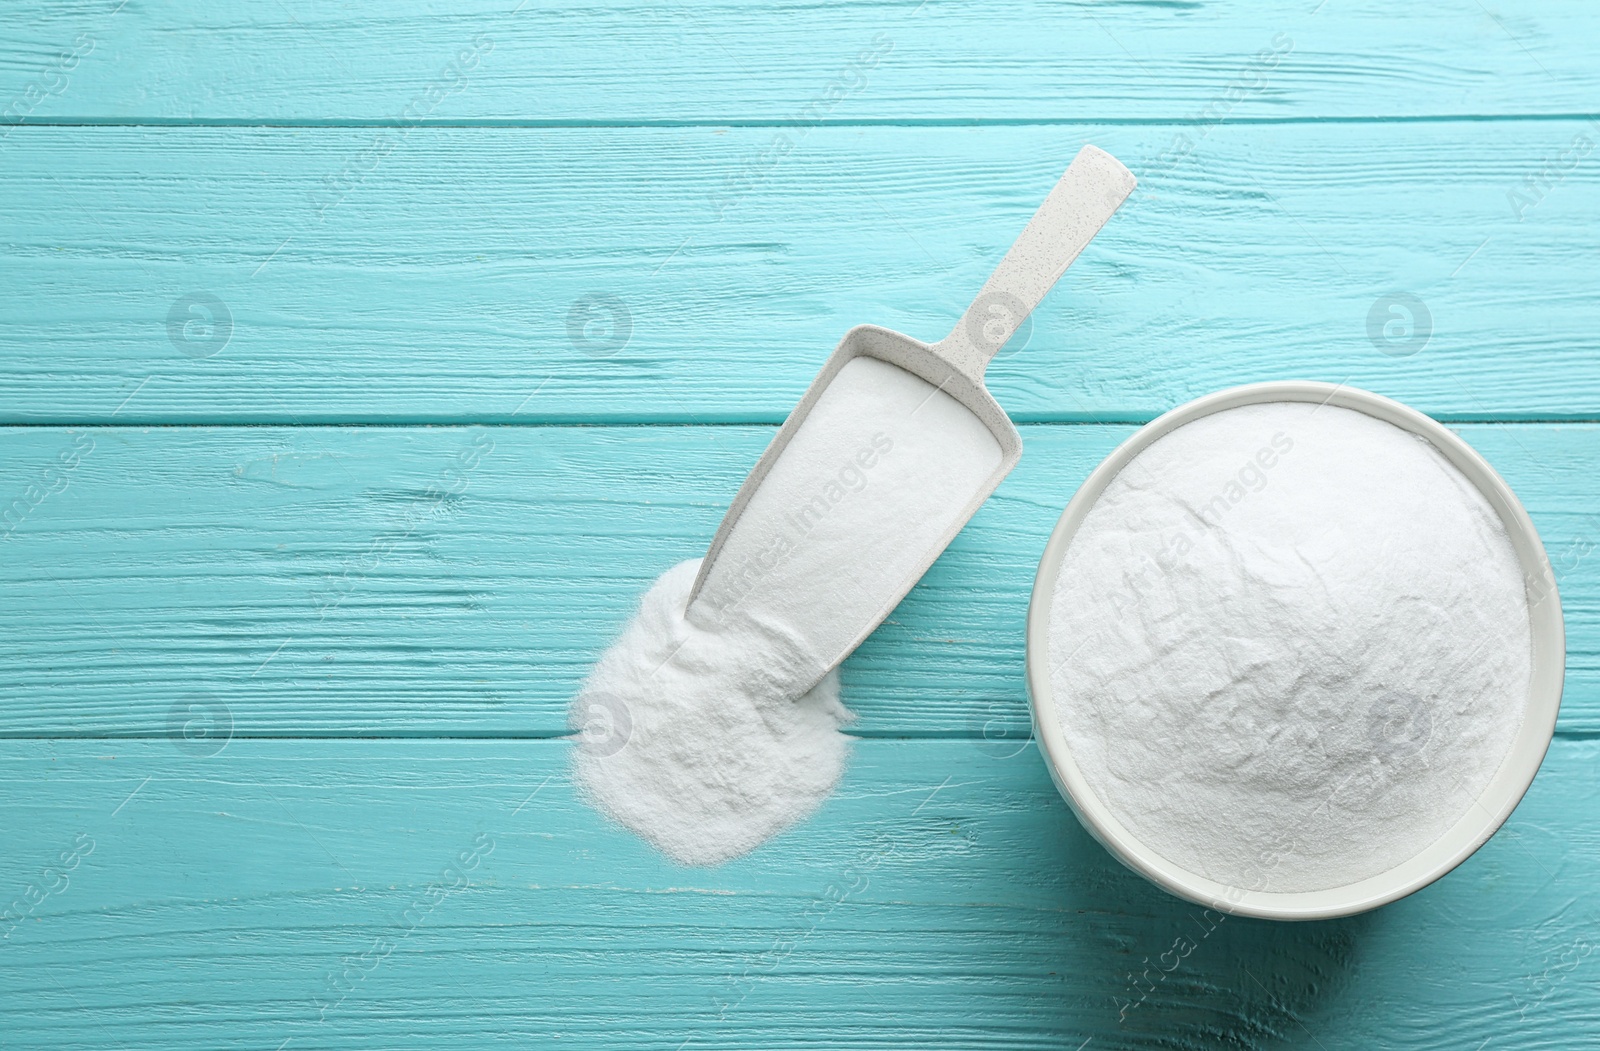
1499	798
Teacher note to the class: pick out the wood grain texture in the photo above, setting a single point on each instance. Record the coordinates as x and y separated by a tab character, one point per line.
461	581
710	61
942	898
439	283
285	637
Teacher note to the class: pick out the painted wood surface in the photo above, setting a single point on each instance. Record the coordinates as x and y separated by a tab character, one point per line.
395	349
305	891
714	61
460	581
619	275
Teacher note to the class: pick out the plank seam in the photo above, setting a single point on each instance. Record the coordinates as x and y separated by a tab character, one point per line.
859	122
772	420
885	735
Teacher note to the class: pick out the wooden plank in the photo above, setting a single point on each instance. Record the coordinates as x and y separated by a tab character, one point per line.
942	898
720	60
439	286
460	581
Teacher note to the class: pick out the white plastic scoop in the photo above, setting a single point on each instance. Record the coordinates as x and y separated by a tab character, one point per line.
893	448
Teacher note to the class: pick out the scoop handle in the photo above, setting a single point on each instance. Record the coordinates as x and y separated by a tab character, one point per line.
1094	185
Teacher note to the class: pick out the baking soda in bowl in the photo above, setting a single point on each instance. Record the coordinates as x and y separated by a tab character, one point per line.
1289	646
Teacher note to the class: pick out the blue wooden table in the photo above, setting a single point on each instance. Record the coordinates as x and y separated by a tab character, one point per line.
362	366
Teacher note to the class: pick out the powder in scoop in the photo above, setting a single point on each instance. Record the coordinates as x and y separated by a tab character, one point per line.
710	729
1290	646
884	464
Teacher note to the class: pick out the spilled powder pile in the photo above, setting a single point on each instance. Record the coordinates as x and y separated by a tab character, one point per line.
1289	646
696	747
711	729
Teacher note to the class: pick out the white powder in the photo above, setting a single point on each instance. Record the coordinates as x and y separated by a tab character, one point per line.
695	746
883	466
710	733
1289	646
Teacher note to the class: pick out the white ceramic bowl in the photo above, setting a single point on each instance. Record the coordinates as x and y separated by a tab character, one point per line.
1505	789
